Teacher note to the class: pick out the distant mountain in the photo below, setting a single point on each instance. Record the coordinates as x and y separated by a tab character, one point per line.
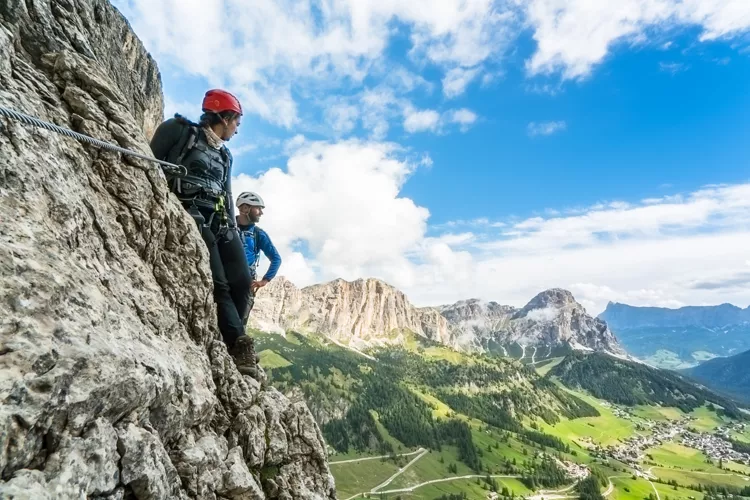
551	323
625	316
631	383
729	375
368	313
680	338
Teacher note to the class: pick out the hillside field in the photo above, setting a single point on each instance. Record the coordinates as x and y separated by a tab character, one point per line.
437	386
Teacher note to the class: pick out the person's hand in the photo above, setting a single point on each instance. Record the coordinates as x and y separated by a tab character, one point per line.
258	284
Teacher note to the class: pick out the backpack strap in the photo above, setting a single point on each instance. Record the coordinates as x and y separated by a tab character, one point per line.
192	134
186	141
257	244
256	248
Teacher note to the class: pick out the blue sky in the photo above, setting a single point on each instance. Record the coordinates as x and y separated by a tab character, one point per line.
484	149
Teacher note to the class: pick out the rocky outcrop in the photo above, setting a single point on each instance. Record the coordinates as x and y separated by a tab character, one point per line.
114	382
473	320
360	313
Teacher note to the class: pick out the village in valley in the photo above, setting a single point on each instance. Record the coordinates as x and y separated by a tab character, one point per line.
715	445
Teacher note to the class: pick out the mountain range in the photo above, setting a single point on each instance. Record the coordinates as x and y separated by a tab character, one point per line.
680	338
370	313
728	375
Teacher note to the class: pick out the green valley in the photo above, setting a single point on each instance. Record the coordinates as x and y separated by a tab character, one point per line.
427	422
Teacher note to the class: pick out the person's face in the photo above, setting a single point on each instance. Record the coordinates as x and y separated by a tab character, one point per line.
231	126
252	213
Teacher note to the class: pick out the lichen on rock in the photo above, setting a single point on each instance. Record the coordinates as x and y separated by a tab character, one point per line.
114	381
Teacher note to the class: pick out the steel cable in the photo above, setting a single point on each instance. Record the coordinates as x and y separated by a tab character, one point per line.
175	170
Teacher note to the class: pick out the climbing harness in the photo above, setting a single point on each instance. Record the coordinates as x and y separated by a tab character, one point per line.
171	168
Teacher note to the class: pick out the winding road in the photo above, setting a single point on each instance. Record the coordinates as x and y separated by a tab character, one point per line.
400	471
655	490
374	458
445	479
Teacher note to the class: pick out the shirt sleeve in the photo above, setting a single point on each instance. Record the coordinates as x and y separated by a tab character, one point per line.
269	250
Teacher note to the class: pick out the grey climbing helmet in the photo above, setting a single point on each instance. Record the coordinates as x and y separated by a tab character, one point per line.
250	198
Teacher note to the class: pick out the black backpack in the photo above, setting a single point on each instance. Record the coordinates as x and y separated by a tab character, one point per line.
185	143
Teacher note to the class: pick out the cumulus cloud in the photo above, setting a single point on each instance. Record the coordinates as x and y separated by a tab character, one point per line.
274	45
279	55
575	35
545	128
463	117
456	81
421	120
342	117
430	120
342	200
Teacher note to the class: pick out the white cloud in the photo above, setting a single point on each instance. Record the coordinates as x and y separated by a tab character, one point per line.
545	128
343	201
430	120
342	117
456	81
463	117
281	56
378	106
421	120
264	49
575	35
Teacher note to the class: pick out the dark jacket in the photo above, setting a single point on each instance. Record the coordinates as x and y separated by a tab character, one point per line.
209	170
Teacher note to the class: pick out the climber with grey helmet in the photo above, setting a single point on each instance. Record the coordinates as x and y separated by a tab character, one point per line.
250	206
206	194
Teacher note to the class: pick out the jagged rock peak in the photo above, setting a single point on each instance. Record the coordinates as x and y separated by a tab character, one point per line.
114	382
554	297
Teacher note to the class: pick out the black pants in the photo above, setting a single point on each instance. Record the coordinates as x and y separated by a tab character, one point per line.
231	277
250	302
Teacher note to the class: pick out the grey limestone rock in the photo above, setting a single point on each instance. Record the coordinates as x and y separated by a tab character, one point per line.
114	381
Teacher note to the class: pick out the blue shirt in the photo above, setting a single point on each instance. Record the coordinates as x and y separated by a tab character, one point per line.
248	236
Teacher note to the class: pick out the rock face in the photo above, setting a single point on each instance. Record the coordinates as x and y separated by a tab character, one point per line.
473	320
369	312
114	383
360	313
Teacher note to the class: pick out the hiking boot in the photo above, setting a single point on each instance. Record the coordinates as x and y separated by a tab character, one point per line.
243	352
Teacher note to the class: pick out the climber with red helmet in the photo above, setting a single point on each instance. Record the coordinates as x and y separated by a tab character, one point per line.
206	193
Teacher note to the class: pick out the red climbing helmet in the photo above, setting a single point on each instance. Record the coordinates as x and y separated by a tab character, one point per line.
217	100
